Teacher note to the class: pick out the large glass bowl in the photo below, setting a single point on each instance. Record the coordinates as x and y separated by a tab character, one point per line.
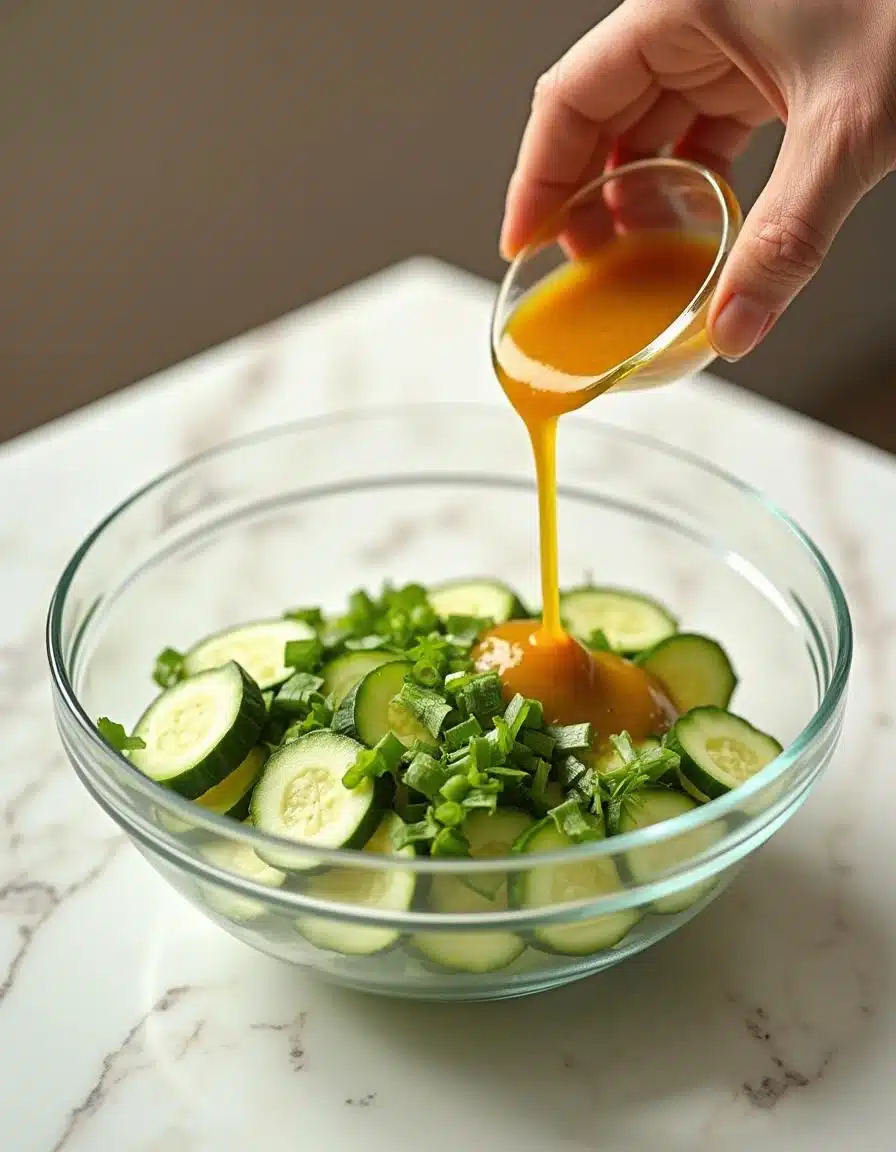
305	513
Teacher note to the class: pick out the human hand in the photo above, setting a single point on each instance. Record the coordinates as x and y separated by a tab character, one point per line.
697	77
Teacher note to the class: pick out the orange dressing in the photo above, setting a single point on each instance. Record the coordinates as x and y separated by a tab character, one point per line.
572	328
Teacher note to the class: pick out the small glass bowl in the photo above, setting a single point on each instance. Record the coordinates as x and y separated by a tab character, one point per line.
655	196
305	513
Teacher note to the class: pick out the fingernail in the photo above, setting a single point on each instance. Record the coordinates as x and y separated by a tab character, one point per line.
504	246
739	327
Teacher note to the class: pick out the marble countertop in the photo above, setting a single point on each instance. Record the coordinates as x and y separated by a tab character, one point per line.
128	1022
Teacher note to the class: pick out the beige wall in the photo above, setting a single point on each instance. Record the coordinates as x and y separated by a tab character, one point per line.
176	171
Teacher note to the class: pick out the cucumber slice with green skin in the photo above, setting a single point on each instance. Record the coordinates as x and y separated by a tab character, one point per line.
693	669
644	865
631	622
343	673
493	834
233	796
550	885
471	950
369	710
485	598
240	858
719	751
258	647
390	891
199	731
301	797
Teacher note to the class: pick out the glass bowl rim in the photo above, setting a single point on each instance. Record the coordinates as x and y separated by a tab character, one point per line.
178	807
731	219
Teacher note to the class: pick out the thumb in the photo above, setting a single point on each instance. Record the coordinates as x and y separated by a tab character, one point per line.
812	189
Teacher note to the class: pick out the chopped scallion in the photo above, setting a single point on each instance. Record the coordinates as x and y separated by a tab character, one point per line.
450	842
298	693
576	823
460	735
568	769
523	757
369	763
303	655
450	813
504	773
541	743
116	735
427	707
456	787
481	753
482	694
426	775
540	780
419	833
571	737
479	799
391	749
169	668
515	714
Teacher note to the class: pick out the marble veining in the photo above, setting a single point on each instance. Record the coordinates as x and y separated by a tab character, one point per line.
129	1022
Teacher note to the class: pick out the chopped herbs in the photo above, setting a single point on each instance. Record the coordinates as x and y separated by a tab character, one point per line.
571	737
169	668
450	842
482	695
303	655
116	735
426	775
456	787
429	708
461	734
576	822
298	694
540	782
313	617
541	743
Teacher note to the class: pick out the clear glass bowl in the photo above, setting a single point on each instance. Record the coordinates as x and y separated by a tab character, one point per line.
305	513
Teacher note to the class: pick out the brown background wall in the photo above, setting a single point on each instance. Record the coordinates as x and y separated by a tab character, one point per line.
177	171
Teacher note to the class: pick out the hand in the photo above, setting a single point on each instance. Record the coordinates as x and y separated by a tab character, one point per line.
697	77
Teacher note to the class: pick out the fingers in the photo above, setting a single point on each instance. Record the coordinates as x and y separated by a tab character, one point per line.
667	120
599	88
714	142
786	235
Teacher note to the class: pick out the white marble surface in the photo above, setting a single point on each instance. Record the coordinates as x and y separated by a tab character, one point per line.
129	1023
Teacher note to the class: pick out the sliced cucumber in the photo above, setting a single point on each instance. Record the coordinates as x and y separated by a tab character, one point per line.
485	598
631	622
390	891
301	797
240	858
719	751
493	834
644	865
551	885
472	950
258	647
199	731
693	669
343	672
369	710
233	796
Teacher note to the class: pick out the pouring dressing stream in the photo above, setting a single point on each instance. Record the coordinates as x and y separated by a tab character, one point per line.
633	309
